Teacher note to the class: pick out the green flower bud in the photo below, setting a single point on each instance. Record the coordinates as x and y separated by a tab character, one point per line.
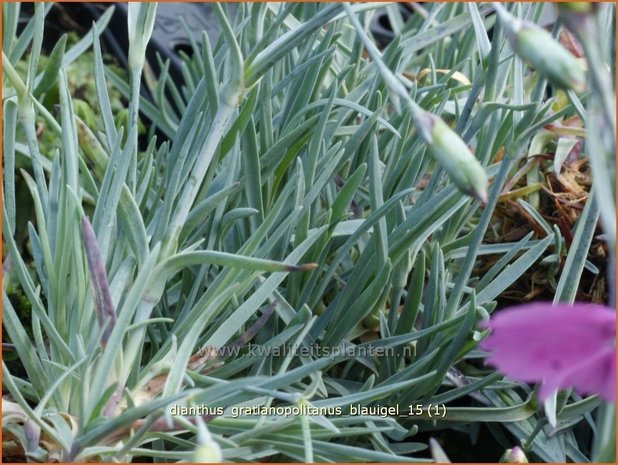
207	453
575	7
372	321
207	450
537	47
455	157
514	455
141	20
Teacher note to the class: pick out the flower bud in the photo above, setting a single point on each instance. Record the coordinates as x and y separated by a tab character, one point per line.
207	450
207	453
538	48
575	7
455	157
141	20
514	455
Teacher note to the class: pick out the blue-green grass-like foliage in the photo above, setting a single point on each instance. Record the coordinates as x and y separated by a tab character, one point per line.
288	176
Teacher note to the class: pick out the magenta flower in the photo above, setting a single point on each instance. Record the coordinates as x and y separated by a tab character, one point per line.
561	346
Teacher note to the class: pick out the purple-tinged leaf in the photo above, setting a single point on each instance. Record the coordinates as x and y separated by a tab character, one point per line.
104	308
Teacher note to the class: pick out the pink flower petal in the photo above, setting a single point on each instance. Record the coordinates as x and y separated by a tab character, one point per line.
562	346
596	375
